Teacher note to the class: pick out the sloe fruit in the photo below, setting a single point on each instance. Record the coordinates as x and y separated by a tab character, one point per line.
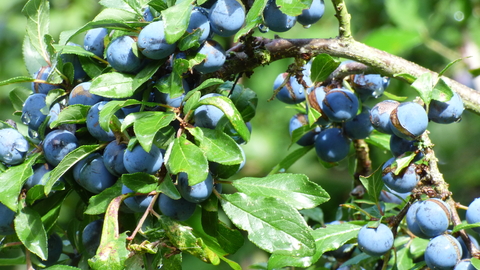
409	120
313	14
275	19
58	144
91	236
226	17
332	145
121	56
446	112
196	193
292	92
340	105
138	204
152	41
180	209
443	252
13	146
375	241
215	57
94	41
137	160
380	115
34	111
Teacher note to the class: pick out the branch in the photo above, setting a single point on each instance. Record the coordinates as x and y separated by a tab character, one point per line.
271	50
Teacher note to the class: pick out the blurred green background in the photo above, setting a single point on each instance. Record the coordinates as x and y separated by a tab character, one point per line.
430	33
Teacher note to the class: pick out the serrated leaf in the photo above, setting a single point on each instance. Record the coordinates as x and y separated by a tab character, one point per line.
218	146
327	238
205	84
146	74
140	182
475	263
229	110
245	100
322	66
190	41
184	156
12	180
253	18
98	204
113	85
148	124
30	231
424	87
73	114
293	8
373	184
37	13
272	224
191	101
183	238
295	189
112	252
68	162
176	19
290	159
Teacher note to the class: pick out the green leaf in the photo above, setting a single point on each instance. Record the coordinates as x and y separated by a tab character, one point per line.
191	101
218	146
76	50
146	74
293	8
183	238
73	114
55	202
231	240
373	184
12	180
404	259
475	263
68	162
184	156
424	87
327	238
18	97
176	19
109	23
254	17
112	252
113	85
190	41
245	100
168	188
448	66
379	139
295	189
19	79
418	246
37	13
298	133
403	162
30	231
322	66
290	159
272	224
62	267
227	107
464	225
98	204
147	124
140	182
205	84
442	91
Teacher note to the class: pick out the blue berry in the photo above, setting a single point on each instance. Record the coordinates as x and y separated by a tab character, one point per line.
409	120
332	145
313	14
196	193
433	217
80	94
298	121
58	144
340	105
93	124
443	252
411	219
275	19
199	22
138	160
34	111
473	214
121	56
380	115
226	17
404	182
370	85
180	209
207	116
138	204
152	41
91	236
93	175
375	241
360	126
94	41
6	220
215	57
113	158
43	74
292	92
446	112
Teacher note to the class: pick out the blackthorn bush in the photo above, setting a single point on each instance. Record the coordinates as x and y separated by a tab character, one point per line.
133	149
